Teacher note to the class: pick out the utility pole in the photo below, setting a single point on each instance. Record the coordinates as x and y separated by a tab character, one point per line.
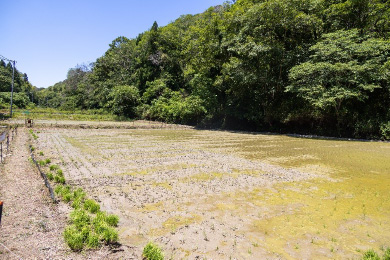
12	86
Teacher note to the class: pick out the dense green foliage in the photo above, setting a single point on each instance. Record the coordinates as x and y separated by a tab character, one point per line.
24	92
307	66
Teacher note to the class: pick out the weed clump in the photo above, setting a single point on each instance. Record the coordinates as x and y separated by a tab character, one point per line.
152	252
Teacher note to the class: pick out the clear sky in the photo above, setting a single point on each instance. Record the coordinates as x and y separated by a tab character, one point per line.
48	37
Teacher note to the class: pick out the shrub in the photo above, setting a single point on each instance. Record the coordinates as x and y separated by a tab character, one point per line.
92	206
47	161
152	252
41	153
385	130
124	100
32	148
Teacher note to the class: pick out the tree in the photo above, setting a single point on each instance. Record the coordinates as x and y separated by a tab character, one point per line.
344	69
124	100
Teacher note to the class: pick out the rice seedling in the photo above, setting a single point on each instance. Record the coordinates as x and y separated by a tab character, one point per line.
74	238
91	205
50	176
54	167
152	252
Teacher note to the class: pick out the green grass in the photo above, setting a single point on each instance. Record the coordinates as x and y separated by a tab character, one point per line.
152	252
77	115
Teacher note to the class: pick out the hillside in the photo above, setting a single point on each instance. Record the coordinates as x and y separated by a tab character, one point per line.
318	67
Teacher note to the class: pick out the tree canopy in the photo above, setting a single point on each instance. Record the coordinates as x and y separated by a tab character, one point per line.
270	65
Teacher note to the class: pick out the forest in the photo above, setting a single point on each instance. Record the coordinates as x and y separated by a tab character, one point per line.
286	66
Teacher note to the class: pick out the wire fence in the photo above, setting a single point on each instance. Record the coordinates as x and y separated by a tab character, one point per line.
43	175
7	135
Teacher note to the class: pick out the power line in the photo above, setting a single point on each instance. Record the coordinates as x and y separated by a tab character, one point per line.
13	62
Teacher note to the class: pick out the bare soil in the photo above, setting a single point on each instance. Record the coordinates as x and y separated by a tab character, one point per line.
32	225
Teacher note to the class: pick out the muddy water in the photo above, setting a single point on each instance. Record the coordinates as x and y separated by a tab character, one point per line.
219	195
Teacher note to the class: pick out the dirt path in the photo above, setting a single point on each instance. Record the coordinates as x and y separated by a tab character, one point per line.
31	225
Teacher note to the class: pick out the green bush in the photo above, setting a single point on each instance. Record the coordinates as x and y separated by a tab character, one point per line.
385	131
47	161
124	100
41	153
92	206
152	252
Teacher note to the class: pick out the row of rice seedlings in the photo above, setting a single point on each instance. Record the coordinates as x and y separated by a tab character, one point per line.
89	226
33	134
56	174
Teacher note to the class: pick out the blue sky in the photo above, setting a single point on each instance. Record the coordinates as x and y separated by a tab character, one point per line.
48	37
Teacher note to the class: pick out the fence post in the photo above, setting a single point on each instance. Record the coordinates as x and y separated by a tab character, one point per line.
1	151
7	143
1	210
